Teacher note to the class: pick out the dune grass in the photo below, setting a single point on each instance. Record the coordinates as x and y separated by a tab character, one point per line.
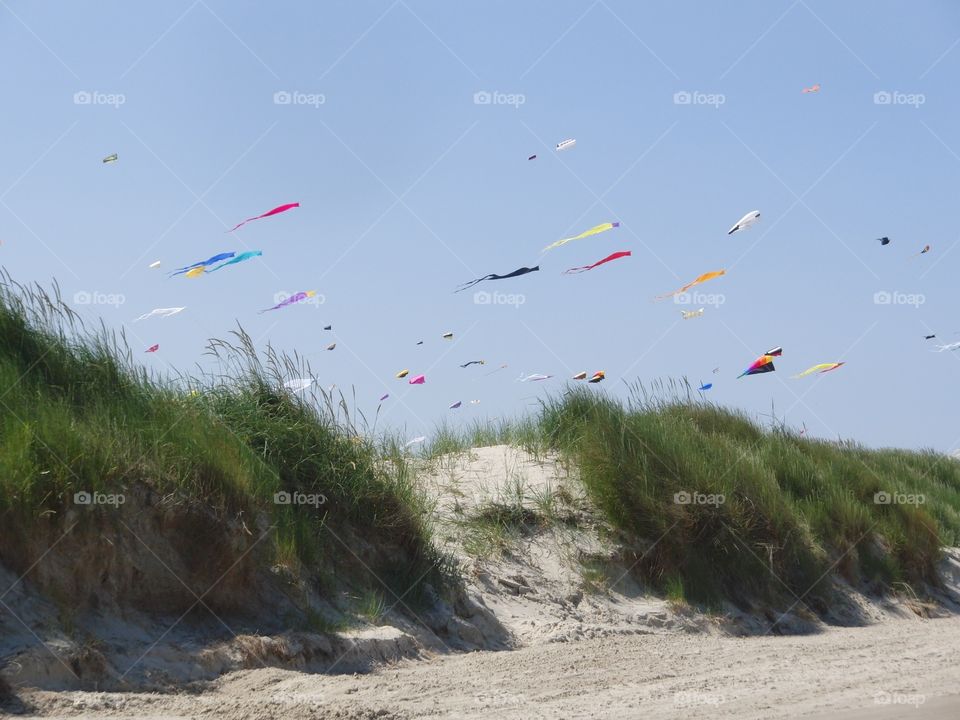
718	507
78	414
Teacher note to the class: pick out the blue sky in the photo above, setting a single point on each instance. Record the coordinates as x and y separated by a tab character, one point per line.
409	186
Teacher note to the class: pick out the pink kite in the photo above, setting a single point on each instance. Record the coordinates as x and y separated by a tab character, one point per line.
292	299
153	348
418	380
276	211
608	258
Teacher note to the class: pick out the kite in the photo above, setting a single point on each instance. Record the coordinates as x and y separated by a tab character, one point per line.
926	249
155	264
532	157
534	377
705	387
418	380
298	384
688	314
821	368
746	221
291	300
883	240
161	312
328	327
702	279
331	346
416	440
239	258
447	336
716	370
110	159
474	362
153	348
276	211
949	347
474	402
516	273
419	342
566	144
596	230
597	377
608	258
763	364
812	89
385	396
929	337
402	374
202	264
196	272
580	376
456	405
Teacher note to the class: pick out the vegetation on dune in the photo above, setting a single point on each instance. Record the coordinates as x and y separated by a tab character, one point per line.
77	414
725	509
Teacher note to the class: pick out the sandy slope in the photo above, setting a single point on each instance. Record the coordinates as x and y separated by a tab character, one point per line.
649	676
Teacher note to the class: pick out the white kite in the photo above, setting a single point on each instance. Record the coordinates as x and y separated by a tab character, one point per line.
161	312
688	314
746	221
566	144
298	384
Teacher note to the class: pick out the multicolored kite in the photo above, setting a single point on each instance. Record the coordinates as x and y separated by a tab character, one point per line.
763	364
595	230
597	377
821	368
202	265
238	259
516	273
702	279
608	258
276	211
298	297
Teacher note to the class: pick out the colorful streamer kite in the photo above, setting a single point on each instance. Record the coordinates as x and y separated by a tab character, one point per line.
276	211
595	230
516	273
763	364
238	259
608	258
202	265
300	296
821	368
702	279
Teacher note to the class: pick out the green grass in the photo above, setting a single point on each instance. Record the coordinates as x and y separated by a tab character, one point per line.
793	510
77	413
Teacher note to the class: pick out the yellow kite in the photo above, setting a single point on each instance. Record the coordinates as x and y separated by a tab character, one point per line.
821	368
586	233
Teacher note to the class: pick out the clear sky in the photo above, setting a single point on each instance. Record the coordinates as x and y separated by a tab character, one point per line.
409	186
